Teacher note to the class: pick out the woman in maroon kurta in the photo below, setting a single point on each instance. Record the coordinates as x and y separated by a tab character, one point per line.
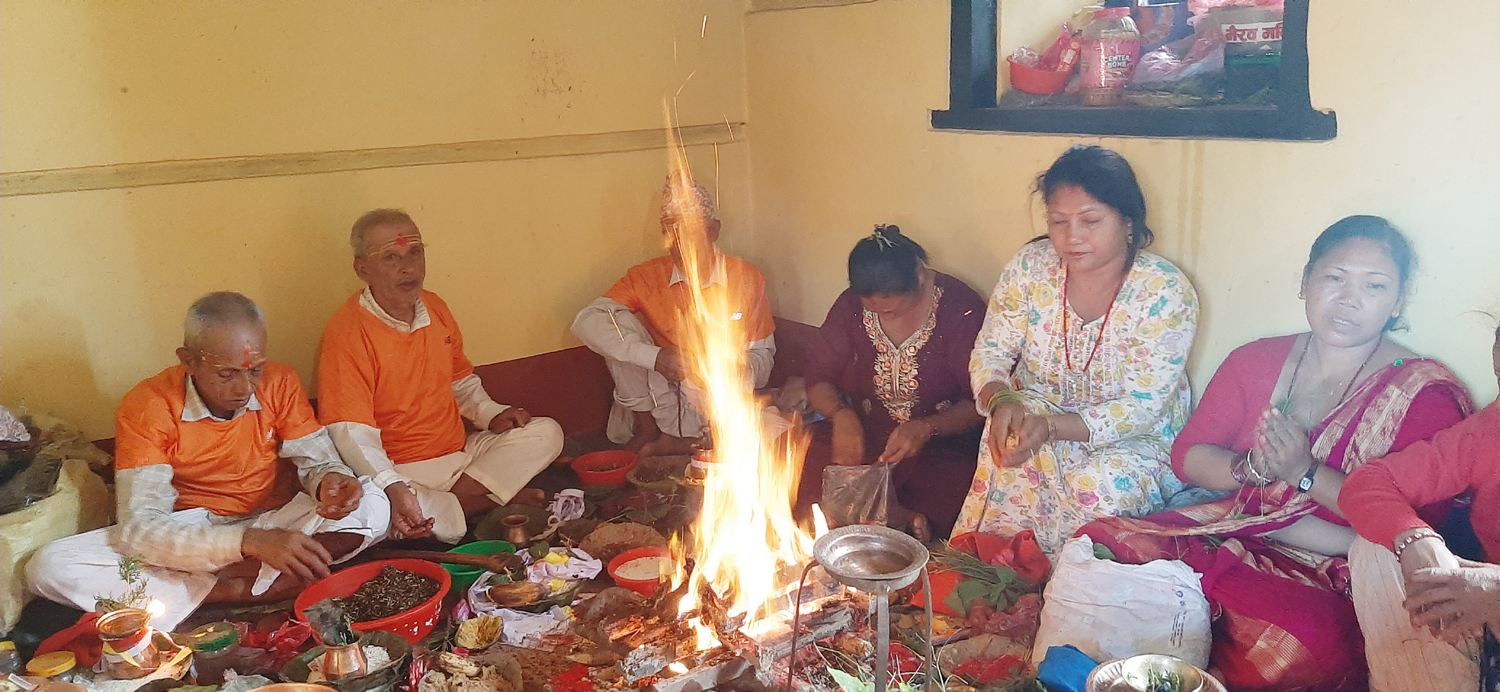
890	372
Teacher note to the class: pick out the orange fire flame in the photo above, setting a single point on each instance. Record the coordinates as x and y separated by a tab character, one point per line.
746	544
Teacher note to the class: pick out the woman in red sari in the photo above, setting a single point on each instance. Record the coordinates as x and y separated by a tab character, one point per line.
1281	424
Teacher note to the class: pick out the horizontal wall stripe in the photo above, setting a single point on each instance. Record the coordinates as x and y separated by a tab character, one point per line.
124	175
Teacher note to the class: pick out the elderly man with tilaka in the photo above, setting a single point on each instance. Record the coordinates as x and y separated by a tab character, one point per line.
394	387
209	457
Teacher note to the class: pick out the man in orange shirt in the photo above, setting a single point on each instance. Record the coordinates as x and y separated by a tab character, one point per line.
209	455
635	327
394	387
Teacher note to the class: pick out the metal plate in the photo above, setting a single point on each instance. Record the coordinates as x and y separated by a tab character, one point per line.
871	558
1118	675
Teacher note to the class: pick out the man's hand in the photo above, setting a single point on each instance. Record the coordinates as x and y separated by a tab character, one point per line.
338	495
406	512
1455	602
669	364
906	441
290	552
509	419
848	438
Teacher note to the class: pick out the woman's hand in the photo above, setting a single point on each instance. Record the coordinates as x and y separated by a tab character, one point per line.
848	438
1454	602
1035	431
1285	448
906	441
1005	431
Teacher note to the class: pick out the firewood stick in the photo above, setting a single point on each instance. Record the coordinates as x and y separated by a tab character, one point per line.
492	563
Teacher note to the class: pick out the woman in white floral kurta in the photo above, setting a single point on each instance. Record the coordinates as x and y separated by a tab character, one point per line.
1127	390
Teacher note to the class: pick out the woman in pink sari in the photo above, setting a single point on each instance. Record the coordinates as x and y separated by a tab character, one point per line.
1281	424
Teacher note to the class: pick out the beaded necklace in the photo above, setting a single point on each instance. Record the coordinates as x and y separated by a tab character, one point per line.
1347	388
1068	352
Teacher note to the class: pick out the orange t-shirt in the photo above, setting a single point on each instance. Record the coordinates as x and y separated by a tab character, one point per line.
398	382
648	291
227	467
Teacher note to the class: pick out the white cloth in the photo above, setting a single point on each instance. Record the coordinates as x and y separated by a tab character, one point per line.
1402	658
613	331
503	463
145	498
78	569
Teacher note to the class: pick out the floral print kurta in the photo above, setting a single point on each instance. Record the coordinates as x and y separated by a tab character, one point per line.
1134	396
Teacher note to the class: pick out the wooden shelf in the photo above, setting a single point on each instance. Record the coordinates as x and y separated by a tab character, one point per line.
1214	121
973	105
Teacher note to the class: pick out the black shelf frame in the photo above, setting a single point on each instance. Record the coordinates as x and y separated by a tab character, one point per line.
973	86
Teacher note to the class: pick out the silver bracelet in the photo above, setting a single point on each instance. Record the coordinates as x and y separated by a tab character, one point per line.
1415	536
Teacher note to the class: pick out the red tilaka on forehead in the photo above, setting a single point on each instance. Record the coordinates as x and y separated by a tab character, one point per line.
248	363
402	241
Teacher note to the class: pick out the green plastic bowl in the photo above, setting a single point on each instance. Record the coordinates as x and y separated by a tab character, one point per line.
464	575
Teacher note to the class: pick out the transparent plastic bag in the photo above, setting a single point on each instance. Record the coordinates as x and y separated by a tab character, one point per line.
857	494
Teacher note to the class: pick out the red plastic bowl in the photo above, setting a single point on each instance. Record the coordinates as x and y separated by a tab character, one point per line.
604	468
412	625
644	587
1036	81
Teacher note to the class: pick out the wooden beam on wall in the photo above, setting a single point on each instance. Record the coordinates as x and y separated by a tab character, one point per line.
125	175
972	59
774	5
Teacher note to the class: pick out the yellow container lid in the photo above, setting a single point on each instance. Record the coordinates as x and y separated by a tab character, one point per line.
49	665
7	645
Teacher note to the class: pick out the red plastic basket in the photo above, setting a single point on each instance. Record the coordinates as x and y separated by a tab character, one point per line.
412	624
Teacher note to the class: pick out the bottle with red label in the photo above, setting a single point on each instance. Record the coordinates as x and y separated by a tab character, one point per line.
1111	49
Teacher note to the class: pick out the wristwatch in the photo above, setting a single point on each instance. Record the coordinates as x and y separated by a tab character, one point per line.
1306	483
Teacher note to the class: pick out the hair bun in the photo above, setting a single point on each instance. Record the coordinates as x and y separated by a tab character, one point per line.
889	229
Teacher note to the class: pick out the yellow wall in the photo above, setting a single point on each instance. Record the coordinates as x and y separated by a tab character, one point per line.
95	283
839	102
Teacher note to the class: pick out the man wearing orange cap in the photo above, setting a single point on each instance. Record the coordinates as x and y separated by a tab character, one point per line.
635	327
394	388
224	438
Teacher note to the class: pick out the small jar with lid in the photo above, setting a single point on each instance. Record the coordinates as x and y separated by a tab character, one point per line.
58	666
128	651
10	659
1111	47
215	649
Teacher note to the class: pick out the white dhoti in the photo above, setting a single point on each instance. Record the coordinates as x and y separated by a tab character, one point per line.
1402	658
503	463
675	405
79	569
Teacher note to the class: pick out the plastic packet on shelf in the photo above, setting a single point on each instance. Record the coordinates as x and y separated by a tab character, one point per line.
1026	56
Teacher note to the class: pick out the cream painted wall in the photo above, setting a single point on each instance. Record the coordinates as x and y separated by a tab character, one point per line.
95	283
839	100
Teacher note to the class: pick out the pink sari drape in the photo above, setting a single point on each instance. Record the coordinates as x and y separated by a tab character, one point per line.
1283	618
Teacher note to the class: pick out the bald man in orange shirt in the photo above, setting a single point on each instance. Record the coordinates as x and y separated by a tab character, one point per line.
394	388
209	457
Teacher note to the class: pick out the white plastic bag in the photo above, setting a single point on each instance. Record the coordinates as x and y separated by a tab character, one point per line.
1112	610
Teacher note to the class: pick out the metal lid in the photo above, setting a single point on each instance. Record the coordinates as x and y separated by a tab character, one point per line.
122	623
53	664
214	636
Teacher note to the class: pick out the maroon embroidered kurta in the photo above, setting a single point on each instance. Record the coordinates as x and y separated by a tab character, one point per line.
889	384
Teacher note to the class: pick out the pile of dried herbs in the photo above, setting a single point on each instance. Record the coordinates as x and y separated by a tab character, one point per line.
389	592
